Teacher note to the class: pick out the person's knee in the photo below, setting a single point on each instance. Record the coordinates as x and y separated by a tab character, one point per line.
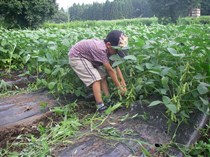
95	84
103	79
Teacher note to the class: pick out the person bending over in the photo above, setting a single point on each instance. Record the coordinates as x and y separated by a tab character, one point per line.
87	57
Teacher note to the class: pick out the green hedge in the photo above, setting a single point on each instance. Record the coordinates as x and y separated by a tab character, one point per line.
125	22
195	20
142	21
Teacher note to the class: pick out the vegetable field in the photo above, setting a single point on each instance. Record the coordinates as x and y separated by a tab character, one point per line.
167	65
171	62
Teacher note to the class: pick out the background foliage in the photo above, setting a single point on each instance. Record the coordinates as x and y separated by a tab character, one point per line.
25	14
31	14
163	9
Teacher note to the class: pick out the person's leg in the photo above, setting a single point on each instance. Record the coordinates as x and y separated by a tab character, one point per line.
97	91
104	86
91	77
105	89
96	86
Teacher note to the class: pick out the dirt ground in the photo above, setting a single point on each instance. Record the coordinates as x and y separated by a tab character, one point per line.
21	114
134	136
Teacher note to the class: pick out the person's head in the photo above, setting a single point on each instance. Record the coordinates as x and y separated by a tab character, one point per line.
116	39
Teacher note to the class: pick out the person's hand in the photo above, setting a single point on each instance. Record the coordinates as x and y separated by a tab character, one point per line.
122	82
123	90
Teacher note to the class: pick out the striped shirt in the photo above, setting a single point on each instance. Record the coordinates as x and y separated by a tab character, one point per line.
93	50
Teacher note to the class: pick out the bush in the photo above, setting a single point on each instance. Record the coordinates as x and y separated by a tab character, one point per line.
194	20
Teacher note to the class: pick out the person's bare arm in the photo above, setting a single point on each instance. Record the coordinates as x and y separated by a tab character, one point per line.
120	75
113	76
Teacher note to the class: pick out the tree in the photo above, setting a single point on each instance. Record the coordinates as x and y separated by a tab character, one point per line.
107	10
205	7
119	11
76	11
128	10
170	11
166	10
141	8
60	17
114	11
92	12
26	14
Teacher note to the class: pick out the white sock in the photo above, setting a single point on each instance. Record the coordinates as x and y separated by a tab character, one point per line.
100	105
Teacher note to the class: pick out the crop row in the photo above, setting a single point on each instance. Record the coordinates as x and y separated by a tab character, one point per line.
169	63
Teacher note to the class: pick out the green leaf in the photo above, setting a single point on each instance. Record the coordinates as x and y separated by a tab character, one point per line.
154	103
77	92
205	102
116	63
51	85
203	108
43	81
163	91
130	57
165	71
149	65
174	52
3	50
202	89
166	100
139	67
148	46
65	42
47	71
26	58
199	77
41	59
205	84
120	48
58	110
115	57
154	72
112	108
164	82
55	72
49	58
52	45
183	113
172	108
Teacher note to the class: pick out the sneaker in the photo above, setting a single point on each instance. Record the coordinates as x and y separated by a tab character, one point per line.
101	109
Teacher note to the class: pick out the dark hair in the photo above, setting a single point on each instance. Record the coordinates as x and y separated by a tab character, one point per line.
113	37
